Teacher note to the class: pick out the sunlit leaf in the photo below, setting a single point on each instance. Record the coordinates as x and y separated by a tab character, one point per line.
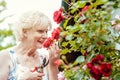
69	37
117	76
80	59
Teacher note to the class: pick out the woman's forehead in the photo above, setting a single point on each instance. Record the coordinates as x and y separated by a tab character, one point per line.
42	27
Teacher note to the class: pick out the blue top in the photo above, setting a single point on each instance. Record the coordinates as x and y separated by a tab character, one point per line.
14	65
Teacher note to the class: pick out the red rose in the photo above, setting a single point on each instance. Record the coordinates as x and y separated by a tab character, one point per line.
95	73
85	8
58	62
47	42
56	33
98	59
106	69
58	17
95	61
90	65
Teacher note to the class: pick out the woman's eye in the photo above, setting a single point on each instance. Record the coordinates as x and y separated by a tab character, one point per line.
40	31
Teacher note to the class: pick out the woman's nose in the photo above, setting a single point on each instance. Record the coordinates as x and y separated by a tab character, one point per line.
45	35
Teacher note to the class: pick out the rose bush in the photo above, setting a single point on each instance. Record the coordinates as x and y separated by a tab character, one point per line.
53	39
88	39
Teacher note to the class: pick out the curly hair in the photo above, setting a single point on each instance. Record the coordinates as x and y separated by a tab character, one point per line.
30	20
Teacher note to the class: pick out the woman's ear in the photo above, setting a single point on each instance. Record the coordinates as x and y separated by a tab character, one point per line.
24	31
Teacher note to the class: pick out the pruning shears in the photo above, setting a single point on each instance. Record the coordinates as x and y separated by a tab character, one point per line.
40	68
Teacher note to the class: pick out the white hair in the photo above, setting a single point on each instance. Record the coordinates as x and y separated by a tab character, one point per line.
30	20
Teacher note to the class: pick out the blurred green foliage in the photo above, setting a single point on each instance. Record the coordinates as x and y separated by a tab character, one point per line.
88	33
5	33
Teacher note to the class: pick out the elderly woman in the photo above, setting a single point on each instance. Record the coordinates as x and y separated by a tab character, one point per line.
20	61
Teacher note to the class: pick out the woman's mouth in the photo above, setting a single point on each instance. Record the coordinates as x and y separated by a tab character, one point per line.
41	41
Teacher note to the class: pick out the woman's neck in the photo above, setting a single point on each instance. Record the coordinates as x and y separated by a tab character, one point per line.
23	49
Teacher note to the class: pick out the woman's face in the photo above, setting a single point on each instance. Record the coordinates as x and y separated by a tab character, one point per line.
37	36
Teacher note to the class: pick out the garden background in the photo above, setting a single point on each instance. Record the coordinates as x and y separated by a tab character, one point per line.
89	39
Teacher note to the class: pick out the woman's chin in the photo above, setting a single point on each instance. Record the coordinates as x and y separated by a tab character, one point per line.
39	46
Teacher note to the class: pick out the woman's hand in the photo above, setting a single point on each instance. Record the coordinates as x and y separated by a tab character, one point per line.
28	75
54	53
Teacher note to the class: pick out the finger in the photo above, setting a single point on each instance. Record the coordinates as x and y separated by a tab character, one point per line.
39	78
56	56
58	51
38	74
56	46
41	74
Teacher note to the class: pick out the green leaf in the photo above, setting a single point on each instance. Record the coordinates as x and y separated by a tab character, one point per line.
90	56
78	4
64	51
69	37
69	74
79	39
64	44
99	2
73	29
81	4
80	59
65	23
90	48
63	33
3	3
79	75
117	76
